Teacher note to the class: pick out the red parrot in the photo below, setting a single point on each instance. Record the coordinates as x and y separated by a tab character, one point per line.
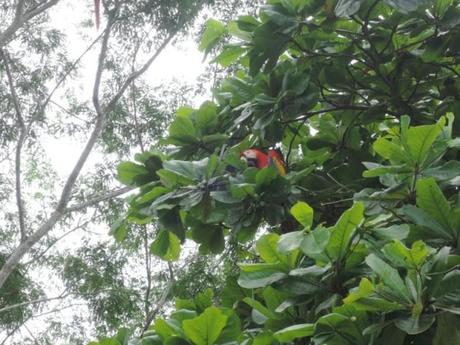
259	159
97	11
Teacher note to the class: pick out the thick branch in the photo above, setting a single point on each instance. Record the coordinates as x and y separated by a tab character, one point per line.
100	121
102	112
22	137
59	212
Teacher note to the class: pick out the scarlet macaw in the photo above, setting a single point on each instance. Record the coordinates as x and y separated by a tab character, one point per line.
259	159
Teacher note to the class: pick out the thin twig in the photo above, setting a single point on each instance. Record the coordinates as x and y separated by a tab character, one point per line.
97	199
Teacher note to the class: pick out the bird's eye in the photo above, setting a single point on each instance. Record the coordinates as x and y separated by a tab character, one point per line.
251	162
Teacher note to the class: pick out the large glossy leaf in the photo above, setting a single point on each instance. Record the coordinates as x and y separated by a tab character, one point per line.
421	138
342	232
347	7
389	276
447	329
267	247
303	213
315	243
212	33
195	170
290	241
206	328
431	199
415	325
290	333
166	246
182	131
422	218
261	275
129	172
405	5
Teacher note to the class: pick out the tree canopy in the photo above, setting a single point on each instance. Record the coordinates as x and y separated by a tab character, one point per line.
358	243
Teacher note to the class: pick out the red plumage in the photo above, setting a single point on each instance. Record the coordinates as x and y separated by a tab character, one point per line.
97	11
260	159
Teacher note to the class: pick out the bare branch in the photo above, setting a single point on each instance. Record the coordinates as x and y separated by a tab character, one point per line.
21	17
60	210
162	300
39	9
100	121
72	67
140	71
22	137
93	201
102	112
37	301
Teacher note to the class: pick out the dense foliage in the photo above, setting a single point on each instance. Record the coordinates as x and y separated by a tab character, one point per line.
359	242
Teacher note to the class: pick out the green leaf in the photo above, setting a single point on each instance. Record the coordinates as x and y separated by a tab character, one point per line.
402	256
290	333
379	170
390	150
206	116
265	176
393	232
194	170
260	275
422	218
128	172
166	246
303	213
415	325
206	328
152	195
267	247
290	241
389	276
405	6
431	199
345	8
213	32
260	308
119	230
229	55
420	139
365	288
447	329
342	232
315	243
182	131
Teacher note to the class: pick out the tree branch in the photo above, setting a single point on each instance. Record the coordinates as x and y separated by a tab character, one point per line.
97	199
60	209
21	17
22	137
136	74
162	300
66	74
102	112
327	110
